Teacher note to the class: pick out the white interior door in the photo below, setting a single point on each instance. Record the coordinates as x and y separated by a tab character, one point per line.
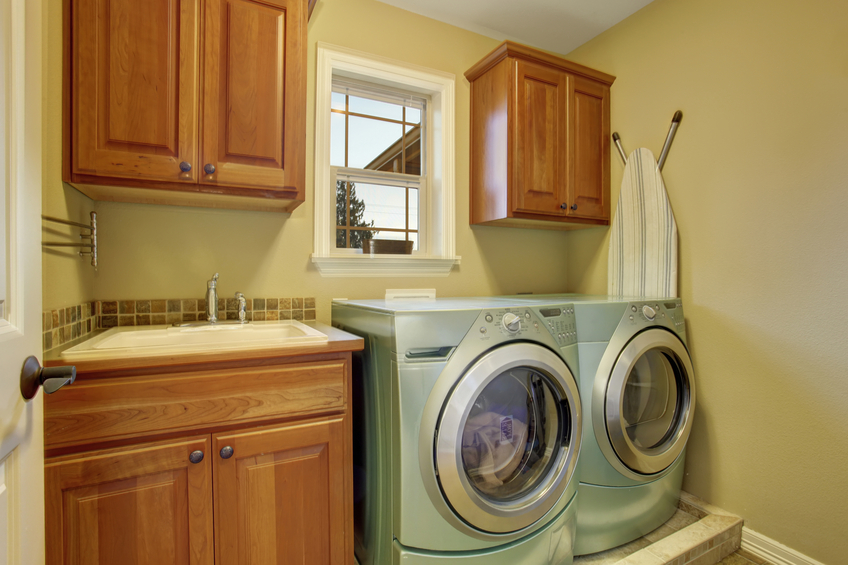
21	437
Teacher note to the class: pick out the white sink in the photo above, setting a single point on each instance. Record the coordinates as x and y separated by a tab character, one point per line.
137	341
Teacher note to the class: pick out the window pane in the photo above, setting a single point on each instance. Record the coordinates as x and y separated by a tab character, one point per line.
412	140
374	145
390	235
413	115
338	101
337	140
373	108
357	236
413	237
341	203
384	206
340	238
413	208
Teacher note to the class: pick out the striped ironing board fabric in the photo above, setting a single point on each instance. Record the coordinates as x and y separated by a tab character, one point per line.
643	236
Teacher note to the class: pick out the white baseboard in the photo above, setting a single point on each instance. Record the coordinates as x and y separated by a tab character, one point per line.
772	551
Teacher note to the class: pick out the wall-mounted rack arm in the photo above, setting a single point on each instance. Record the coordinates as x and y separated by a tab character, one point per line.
91	235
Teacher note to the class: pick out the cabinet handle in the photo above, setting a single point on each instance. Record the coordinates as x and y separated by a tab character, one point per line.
185	166
196	457
51	378
574	206
209	168
563	206
226	452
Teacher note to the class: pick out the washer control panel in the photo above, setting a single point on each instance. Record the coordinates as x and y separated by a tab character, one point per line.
525	322
668	312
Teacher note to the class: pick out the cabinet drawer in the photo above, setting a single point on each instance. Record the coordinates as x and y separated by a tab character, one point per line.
127	407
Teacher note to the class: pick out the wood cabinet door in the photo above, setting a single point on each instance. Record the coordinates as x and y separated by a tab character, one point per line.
284	496
589	190
133	76
254	96
140	505
540	162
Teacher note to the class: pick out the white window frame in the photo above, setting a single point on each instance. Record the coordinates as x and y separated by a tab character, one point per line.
437	201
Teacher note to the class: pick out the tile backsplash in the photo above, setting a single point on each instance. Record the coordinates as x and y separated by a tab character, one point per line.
68	324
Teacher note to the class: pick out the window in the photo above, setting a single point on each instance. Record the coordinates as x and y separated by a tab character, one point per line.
376	159
383	165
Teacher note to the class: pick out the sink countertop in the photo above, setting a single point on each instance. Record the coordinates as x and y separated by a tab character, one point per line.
338	341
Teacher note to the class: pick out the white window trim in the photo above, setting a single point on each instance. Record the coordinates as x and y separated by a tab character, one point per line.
440	256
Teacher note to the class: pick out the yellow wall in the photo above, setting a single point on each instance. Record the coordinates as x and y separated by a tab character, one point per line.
67	279
159	252
758	178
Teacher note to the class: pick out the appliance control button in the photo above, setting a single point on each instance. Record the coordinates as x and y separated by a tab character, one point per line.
649	312
527	315
633	307
511	322
483	329
489	317
631	318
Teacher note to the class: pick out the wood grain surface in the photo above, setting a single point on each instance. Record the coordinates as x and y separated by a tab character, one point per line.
144	505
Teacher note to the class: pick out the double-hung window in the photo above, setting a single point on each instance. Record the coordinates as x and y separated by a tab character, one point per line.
384	165
377	149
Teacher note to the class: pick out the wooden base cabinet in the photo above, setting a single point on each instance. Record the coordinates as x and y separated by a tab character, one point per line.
539	141
202	464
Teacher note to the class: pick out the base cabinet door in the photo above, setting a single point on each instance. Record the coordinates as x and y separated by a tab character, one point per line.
140	505
274	489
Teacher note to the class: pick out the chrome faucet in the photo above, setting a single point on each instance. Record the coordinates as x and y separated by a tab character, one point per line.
242	306
212	299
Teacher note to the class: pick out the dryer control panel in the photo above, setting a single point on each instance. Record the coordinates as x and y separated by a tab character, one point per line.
525	322
665	312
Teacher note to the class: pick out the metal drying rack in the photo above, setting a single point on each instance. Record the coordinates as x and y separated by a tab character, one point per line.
91	236
672	131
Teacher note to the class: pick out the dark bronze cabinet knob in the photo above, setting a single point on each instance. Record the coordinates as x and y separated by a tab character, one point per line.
196	457
209	168
564	205
226	452
574	206
185	167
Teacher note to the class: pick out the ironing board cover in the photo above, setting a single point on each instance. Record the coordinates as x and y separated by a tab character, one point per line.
643	238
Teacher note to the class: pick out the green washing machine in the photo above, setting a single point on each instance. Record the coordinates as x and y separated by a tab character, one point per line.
467	427
637	385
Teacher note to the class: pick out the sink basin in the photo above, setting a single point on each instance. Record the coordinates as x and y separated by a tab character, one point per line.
162	340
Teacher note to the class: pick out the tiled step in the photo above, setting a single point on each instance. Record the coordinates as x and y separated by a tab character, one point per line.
698	534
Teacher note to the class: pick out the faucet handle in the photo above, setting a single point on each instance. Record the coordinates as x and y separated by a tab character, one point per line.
242	306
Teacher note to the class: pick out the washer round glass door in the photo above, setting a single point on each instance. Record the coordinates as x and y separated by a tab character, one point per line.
508	438
650	400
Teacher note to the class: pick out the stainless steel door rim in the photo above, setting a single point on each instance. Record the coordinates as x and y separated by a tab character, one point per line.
472	506
651	459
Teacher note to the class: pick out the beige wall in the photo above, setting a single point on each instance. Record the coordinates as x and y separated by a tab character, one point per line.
67	279
758	178
160	252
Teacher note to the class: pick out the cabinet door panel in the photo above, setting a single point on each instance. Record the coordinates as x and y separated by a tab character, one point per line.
541	161
254	102
591	150
283	497
134	89
144	505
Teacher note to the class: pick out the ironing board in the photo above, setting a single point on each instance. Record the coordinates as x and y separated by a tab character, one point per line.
643	237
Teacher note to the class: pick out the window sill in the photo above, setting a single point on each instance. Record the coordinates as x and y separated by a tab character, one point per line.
384	266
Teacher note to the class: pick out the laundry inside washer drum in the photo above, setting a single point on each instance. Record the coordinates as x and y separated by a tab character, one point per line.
512	434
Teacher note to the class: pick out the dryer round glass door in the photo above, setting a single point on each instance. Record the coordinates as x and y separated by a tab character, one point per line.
508	438
650	400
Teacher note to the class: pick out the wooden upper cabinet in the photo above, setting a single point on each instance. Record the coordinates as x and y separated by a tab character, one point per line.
254	73
142	505
157	91
539	141
134	88
284	495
